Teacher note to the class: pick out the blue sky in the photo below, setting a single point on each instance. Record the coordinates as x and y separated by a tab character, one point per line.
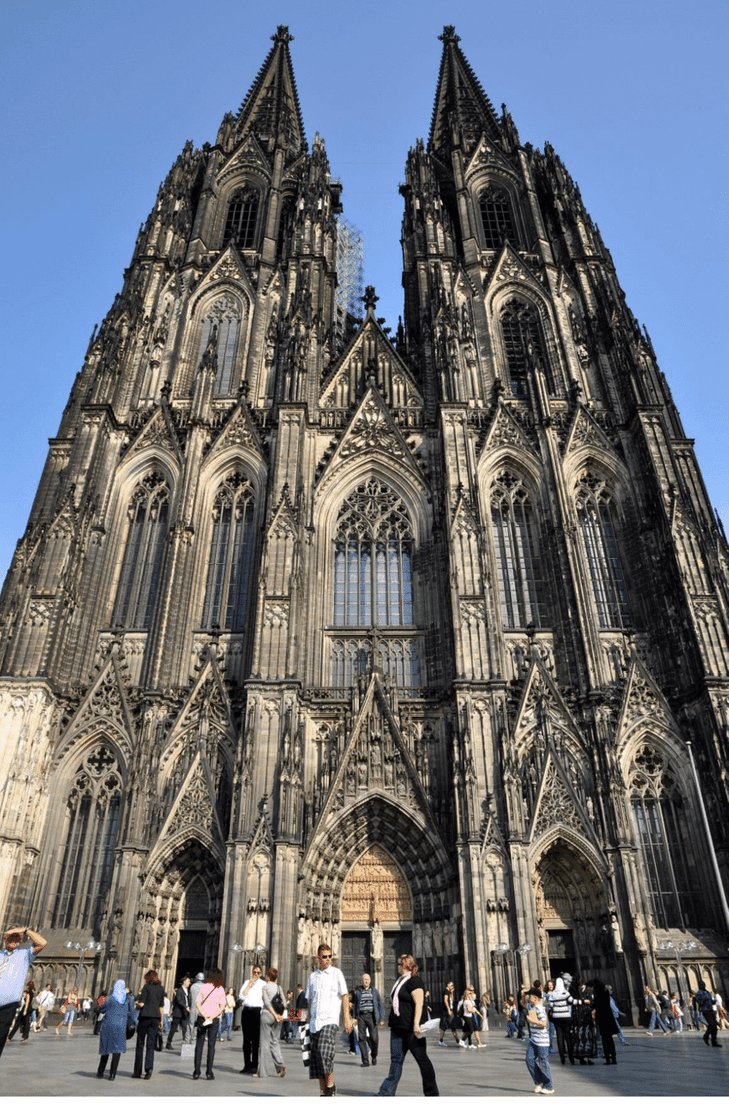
99	97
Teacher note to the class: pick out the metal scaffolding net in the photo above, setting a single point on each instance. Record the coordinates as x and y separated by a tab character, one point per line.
350	268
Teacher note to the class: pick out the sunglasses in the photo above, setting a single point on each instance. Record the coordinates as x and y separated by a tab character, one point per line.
325	956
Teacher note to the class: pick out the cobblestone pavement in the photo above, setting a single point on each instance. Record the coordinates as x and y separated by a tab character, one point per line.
53	1065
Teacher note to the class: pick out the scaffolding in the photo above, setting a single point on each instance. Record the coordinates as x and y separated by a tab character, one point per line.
350	269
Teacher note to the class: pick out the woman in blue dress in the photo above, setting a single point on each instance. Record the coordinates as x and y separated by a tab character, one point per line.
113	1035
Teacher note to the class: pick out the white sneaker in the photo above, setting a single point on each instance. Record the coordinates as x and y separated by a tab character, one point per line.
537	1088
464	1044
547	1092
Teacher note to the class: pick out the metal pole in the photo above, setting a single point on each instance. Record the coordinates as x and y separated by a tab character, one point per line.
712	853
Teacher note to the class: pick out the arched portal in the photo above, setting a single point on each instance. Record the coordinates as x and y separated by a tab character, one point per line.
379	883
179	927
573	914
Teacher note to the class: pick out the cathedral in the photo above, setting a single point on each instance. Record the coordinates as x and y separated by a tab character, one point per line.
400	639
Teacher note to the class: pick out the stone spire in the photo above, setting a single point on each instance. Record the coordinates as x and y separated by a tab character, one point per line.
460	102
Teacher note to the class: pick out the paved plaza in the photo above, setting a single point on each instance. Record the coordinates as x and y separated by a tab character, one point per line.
53	1065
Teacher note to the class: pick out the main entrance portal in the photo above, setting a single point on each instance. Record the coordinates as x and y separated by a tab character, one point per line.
377	907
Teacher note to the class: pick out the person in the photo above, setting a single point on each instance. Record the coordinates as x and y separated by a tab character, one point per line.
484	1004
24	1012
604	1020
404	1023
69	1008
251	997
98	1012
705	1005
470	1012
113	1029
226	1019
521	1013
698	1021
46	1003
549	987
447	1021
511	1015
180	1010
85	1008
676	1014
288	1029
583	1026
150	1003
721	1015
301	1004
370	1014
653	1008
326	991
209	1006
15	960
537	1052
194	992
560	1004
616	1016
270	1060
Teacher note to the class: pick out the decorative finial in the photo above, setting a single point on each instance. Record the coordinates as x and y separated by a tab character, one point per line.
282	34
369	298
449	34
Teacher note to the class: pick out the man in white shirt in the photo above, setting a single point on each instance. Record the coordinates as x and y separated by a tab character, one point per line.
251	996
46	1002
326	991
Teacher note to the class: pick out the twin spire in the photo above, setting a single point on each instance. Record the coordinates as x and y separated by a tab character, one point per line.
271	108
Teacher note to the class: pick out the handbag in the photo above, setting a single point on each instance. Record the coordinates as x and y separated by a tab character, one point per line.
131	1028
158	1040
277	1003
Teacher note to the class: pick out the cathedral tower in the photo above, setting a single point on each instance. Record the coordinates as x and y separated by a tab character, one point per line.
316	634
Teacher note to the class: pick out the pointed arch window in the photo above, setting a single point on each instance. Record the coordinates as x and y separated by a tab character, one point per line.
497	217
671	872
517	554
142	564
373	582
92	824
597	520
522	345
225	314
240	222
231	549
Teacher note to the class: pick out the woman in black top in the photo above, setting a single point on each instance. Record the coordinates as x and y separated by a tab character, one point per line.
404	1022
151	1004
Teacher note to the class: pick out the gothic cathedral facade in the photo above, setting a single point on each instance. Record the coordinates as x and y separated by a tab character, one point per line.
317	633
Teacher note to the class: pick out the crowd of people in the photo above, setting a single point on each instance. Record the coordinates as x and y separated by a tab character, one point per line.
573	1018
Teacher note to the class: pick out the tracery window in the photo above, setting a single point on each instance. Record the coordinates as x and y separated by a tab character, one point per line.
373	584
92	822
517	553
231	550
522	344
668	860
373	560
142	564
497	218
225	315
240	223
596	517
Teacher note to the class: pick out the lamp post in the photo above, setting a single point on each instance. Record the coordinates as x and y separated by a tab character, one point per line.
678	948
90	947
523	949
501	952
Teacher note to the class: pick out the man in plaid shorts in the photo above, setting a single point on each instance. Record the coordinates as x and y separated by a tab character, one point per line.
326	990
